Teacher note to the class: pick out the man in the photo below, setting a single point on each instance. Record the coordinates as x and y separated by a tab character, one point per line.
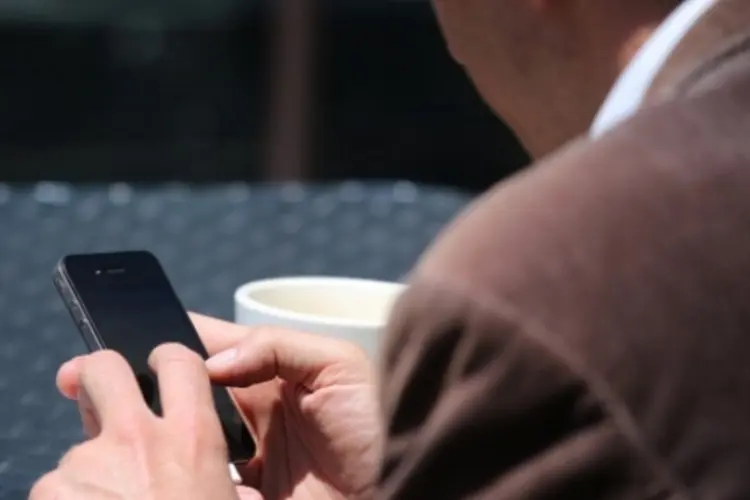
579	332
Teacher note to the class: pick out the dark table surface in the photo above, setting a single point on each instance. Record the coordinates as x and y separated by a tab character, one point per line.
210	240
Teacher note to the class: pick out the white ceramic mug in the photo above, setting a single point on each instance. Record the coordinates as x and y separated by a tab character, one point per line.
355	310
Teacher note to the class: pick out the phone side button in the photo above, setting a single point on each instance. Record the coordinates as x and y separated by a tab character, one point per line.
88	334
75	309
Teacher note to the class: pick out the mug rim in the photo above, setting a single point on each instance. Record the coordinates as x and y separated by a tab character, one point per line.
242	297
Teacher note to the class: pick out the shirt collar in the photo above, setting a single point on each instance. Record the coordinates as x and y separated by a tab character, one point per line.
630	88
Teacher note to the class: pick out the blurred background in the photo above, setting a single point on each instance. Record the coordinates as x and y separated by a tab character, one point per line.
235	139
197	90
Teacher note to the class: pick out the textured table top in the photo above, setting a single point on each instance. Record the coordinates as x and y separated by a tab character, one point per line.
210	240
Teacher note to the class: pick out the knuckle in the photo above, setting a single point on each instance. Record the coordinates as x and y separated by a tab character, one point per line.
345	352
45	488
76	454
262	339
131	431
349	351
203	419
211	442
68	456
197	436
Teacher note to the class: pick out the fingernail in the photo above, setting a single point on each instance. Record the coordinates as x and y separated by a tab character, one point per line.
221	360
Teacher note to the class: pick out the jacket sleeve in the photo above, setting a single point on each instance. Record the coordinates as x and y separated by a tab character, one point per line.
474	408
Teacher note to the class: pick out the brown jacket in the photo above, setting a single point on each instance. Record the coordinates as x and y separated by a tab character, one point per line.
583	330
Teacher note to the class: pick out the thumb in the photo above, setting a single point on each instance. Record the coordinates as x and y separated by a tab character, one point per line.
266	353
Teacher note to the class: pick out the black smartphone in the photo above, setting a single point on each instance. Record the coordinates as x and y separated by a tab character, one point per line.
124	302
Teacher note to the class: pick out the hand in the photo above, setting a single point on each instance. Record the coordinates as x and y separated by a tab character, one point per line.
310	401
132	454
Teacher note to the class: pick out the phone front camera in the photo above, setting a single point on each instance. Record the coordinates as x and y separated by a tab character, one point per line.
98	272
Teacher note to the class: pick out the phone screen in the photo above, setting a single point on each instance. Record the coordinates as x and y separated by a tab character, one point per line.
133	308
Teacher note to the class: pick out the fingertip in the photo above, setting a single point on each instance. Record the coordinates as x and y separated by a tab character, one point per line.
96	361
171	350
222	362
68	375
237	367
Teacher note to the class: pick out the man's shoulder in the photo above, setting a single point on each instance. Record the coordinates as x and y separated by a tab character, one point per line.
658	169
629	258
619	241
613	273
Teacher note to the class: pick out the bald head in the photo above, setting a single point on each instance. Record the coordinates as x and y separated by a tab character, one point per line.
545	66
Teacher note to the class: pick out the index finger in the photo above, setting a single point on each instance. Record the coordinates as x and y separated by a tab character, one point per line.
297	357
184	386
112	389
